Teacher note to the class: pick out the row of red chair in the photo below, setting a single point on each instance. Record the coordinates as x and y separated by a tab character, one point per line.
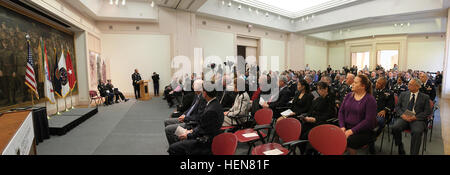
326	139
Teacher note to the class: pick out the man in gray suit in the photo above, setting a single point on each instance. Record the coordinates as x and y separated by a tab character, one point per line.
419	104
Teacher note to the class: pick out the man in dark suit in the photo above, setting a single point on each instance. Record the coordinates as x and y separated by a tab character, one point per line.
280	99
199	139
155	78
428	86
136	77
419	104
189	117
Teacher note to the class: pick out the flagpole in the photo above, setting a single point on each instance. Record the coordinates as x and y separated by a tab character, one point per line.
71	104
32	100
65	104
57	108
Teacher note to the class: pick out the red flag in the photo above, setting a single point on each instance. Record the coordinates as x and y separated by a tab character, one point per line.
70	72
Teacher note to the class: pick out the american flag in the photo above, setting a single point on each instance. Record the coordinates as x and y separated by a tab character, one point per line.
30	79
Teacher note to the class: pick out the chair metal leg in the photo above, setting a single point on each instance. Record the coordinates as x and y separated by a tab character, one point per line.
250	148
382	138
389	131
392	144
431	129
424	147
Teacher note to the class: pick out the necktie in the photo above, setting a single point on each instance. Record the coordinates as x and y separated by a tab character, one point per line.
411	102
193	106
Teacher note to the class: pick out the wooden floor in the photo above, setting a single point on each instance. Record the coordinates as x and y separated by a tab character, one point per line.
445	124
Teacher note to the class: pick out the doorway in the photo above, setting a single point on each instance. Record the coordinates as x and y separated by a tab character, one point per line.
387	58
361	60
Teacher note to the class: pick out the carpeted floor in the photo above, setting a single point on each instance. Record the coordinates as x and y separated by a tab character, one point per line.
136	128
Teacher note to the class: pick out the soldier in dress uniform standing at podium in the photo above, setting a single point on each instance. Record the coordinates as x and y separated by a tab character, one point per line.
136	77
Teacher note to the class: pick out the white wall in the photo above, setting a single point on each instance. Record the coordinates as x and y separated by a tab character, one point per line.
426	54
148	53
316	54
215	43
273	48
336	57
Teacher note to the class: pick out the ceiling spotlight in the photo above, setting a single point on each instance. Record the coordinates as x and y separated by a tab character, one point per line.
223	2
117	2
401	25
307	18
267	14
395	25
250	9
257	12
240	6
152	4
111	2
123	2
312	16
303	19
229	4
408	24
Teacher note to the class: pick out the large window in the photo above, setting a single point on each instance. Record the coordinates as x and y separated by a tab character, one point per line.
387	58
361	59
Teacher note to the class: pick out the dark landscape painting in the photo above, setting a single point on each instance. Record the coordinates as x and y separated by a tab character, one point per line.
13	54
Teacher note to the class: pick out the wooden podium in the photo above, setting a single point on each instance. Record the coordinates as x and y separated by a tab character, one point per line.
17	134
145	93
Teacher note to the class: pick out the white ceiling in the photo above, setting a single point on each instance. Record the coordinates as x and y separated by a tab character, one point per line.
293	6
322	19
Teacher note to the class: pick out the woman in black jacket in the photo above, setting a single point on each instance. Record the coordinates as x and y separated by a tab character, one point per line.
302	101
322	109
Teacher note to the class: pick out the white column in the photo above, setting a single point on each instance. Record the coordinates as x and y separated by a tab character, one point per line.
446	74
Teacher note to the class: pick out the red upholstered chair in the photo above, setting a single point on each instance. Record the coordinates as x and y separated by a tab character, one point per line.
224	144
93	96
328	139
289	131
263	118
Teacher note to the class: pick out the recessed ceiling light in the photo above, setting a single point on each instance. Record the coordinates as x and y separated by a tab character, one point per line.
153	4
229	4
240	6
267	14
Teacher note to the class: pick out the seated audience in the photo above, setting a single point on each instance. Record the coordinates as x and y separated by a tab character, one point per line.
240	107
345	88
302	101
186	102
322	109
357	115
228	95
116	92
190	115
104	92
280	99
385	103
199	139
400	86
412	109
427	86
